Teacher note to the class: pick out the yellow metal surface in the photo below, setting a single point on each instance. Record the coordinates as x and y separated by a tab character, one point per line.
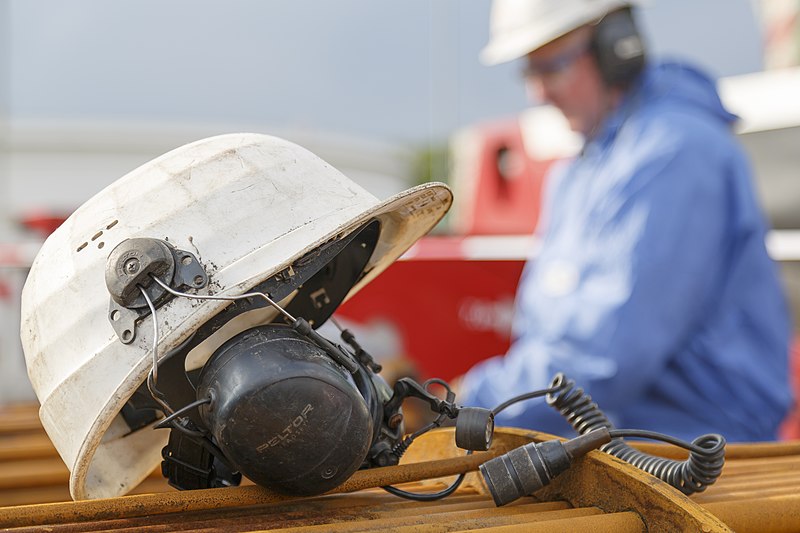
759	491
602	481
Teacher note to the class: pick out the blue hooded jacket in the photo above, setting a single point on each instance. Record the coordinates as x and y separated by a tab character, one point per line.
652	288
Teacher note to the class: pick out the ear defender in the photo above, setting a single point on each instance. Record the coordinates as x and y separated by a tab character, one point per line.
618	48
283	412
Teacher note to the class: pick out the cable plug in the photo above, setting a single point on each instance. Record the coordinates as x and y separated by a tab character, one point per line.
474	428
526	469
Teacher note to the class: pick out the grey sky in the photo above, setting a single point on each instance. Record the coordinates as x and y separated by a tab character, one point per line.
399	71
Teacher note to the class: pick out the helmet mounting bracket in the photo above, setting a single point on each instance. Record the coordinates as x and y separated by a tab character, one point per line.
131	264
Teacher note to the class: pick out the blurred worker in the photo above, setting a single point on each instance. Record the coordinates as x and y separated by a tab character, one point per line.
652	288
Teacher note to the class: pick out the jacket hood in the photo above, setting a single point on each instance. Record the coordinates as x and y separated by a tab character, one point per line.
673	81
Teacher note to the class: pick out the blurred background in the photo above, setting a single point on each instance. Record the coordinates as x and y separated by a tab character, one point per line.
391	93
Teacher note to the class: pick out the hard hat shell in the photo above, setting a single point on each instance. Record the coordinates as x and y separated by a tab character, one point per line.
518	27
247	206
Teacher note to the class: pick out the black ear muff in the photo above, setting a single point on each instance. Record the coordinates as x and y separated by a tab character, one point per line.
284	414
618	48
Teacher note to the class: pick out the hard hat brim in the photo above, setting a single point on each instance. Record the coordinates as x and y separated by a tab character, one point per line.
518	30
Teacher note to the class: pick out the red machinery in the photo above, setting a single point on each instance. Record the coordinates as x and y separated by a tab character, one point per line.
449	299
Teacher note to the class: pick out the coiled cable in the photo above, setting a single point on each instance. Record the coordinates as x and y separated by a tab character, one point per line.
706	453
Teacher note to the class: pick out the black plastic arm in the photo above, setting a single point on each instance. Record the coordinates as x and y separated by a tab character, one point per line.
408	388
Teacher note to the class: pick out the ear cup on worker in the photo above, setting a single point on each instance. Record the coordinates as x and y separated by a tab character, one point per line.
618	48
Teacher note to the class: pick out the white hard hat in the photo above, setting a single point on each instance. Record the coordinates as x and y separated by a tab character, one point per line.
249	206
518	27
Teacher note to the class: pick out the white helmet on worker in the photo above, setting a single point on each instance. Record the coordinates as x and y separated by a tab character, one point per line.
221	216
519	27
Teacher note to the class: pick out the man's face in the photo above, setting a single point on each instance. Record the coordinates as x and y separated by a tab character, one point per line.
563	73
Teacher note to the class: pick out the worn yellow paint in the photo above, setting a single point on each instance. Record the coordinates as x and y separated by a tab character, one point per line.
759	491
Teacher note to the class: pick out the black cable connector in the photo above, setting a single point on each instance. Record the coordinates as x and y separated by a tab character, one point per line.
527	469
474	429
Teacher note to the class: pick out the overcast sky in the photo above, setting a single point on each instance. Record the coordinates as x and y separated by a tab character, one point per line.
390	70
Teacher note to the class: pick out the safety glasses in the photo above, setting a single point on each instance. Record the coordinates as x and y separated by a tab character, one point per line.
536	67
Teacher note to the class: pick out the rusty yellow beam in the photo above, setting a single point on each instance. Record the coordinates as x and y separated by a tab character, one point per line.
16	447
171	502
625	522
756	493
774	514
20	418
474	519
